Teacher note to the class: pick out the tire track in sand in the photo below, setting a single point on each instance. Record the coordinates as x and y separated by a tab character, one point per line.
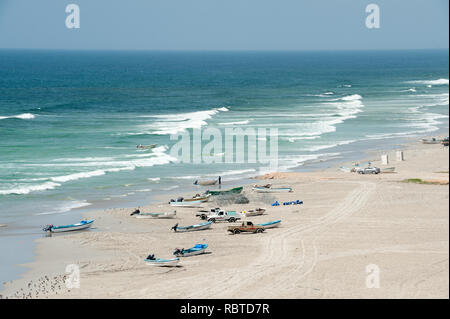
277	259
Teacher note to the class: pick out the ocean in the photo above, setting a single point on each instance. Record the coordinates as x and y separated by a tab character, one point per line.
70	121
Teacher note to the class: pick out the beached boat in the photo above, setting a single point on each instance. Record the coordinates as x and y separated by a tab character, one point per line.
201	226
196	250
387	170
236	190
152	261
206	182
157	215
203	198
431	141
256	212
347	169
145	147
84	224
191	204
271	224
270	189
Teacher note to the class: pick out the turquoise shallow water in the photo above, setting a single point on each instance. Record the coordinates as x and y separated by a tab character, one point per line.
70	121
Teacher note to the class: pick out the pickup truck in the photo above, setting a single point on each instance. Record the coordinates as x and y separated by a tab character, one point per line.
246	227
224	216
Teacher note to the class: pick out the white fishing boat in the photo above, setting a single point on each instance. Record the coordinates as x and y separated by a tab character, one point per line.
387	170
253	212
189	204
161	262
84	224
271	224
270	189
201	226
206	182
156	215
196	250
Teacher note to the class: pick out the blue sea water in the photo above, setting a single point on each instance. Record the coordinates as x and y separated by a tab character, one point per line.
70	120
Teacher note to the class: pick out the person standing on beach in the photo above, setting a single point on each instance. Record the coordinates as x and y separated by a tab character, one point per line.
220	180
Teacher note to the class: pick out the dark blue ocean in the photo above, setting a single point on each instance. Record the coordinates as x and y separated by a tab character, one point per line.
70	121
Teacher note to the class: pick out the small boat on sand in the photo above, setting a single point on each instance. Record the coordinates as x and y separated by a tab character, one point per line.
251	212
206	182
433	140
188	204
152	261
145	147
138	214
203	198
201	226
236	190
387	170
84	224
271	224
196	250
270	189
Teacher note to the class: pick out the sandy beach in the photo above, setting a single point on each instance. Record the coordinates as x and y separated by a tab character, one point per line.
321	250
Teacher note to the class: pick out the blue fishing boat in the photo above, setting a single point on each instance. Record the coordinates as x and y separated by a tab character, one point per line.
84	224
271	224
196	250
201	226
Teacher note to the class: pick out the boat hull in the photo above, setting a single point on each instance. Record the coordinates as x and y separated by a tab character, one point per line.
192	252
273	224
191	204
272	190
163	262
193	227
155	216
69	228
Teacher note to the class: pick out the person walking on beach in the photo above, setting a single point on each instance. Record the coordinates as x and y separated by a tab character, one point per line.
220	180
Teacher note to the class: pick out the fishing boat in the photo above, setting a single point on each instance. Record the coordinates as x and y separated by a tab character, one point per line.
206	182
189	204
387	170
271	224
152	261
347	169
145	147
84	224
196	250
201	226
157	215
203	198
431	141
270	189
256	212
236	190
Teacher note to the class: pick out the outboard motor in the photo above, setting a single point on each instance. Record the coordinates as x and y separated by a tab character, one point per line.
48	227
175	227
180	199
178	251
137	211
151	257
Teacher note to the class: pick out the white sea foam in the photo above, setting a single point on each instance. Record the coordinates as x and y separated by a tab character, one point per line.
236	123
26	189
174	123
154	179
66	207
23	116
431	82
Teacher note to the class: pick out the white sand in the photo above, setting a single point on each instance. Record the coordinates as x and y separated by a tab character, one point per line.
321	250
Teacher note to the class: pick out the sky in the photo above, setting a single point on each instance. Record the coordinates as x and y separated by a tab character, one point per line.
224	25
